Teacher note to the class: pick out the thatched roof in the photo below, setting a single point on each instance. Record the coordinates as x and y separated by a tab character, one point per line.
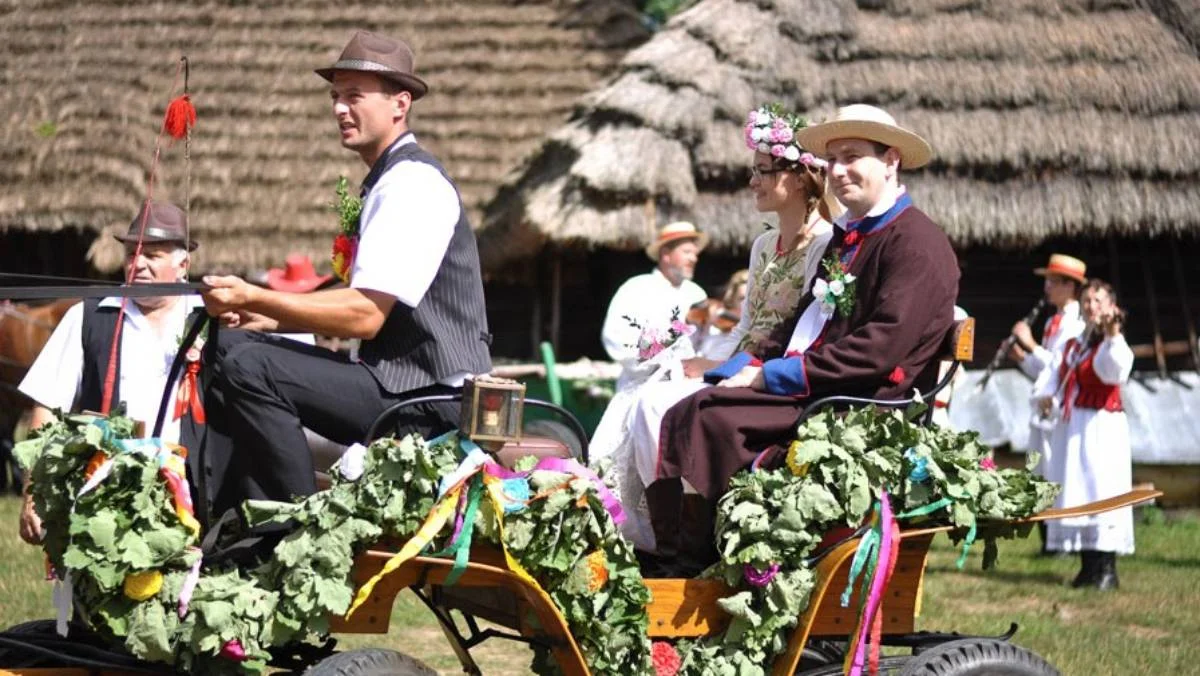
1046	118
85	84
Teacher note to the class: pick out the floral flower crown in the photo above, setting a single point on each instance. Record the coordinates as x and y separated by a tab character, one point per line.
772	130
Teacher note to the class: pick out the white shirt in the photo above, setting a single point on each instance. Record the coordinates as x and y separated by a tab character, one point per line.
408	218
1070	326
54	379
650	299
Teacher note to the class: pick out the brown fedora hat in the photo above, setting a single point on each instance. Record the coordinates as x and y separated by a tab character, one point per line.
388	58
164	223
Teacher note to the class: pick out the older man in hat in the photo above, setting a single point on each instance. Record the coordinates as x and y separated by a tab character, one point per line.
414	294
69	373
651	300
873	327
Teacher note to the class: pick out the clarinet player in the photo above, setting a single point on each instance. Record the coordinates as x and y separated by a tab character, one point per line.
1064	278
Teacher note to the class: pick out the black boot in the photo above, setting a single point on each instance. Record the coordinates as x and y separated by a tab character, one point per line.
1089	569
1106	578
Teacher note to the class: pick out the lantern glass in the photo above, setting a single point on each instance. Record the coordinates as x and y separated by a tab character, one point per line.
492	410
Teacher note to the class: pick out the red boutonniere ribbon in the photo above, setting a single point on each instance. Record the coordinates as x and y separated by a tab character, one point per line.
188	395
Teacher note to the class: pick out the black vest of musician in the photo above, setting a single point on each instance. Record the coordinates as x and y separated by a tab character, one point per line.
209	448
447	332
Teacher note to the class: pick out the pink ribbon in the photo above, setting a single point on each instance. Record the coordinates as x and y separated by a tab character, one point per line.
879	581
565	466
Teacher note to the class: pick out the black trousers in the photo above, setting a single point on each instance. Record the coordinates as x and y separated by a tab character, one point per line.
272	388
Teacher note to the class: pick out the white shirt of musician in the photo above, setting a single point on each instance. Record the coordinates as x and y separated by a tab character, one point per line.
408	218
54	379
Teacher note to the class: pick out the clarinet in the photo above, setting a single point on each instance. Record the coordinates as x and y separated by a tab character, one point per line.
1007	343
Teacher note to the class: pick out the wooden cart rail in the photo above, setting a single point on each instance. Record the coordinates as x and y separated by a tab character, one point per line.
680	608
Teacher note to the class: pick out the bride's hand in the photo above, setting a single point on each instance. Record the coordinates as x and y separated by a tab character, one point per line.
749	376
696	366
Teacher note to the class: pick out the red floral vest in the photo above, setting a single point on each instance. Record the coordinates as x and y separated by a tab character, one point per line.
1083	387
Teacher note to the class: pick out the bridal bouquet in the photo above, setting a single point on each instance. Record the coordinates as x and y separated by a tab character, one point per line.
652	340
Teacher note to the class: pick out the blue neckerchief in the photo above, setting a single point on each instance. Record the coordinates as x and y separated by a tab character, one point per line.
871	224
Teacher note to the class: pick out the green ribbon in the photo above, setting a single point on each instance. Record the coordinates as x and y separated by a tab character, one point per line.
460	549
867	553
970	540
927	509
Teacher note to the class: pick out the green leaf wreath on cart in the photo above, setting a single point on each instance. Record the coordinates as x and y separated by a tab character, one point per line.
127	551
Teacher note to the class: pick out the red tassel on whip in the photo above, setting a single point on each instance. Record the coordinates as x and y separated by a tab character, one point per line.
181	116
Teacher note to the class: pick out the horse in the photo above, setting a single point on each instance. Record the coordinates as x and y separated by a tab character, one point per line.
24	330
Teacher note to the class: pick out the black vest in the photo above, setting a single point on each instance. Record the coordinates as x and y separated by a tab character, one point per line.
209	449
447	332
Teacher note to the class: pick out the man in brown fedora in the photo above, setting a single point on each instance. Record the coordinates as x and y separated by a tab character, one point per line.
652	299
873	323
70	371
414	294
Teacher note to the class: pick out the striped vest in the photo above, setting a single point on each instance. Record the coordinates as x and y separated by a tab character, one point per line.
447	332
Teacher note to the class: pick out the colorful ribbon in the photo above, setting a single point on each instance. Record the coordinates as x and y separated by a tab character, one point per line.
871	617
476	469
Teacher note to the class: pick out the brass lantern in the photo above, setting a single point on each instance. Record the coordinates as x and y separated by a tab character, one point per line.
491	410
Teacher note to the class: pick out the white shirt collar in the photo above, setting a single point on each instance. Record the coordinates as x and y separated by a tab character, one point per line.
1071	309
889	199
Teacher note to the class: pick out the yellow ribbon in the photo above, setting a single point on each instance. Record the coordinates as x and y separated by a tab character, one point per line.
495	491
437	518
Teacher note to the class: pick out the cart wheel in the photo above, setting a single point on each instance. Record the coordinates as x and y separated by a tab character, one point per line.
889	665
370	662
978	657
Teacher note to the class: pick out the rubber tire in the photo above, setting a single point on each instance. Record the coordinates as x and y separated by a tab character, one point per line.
888	666
559	432
370	662
978	657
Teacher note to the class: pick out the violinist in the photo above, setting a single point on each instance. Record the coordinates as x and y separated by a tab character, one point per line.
1090	439
722	316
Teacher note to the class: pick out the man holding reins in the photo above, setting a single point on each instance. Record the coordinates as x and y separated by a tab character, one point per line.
414	294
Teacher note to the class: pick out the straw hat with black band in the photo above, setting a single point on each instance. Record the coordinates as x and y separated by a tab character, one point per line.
862	121
388	58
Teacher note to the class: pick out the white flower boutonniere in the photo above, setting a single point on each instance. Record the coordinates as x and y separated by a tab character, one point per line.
836	295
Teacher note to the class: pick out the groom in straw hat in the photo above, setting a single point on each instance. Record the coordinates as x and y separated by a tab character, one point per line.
414	293
872	329
653	298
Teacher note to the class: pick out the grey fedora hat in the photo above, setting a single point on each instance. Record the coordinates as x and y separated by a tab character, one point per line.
371	53
165	222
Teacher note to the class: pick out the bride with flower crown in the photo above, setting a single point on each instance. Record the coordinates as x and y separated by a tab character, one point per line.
784	260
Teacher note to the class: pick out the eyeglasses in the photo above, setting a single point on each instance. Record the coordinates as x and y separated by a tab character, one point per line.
759	172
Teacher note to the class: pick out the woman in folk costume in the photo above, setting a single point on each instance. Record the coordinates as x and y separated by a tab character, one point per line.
786	180
1090	440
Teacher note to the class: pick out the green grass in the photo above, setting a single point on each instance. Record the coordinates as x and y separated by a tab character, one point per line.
1147	627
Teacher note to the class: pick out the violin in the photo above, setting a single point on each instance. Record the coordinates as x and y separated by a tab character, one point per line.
710	312
726	320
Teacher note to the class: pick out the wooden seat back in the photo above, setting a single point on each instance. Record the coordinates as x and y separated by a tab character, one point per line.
959	343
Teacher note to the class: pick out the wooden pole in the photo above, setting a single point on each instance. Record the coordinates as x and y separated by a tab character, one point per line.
1181	282
1160	356
535	315
555	295
1114	264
